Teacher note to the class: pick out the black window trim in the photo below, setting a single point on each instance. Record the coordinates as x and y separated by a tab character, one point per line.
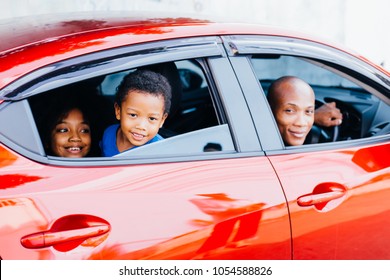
108	61
333	57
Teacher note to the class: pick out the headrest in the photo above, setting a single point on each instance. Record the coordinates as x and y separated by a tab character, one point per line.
169	71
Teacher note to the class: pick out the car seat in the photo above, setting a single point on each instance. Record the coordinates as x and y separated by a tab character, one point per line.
169	71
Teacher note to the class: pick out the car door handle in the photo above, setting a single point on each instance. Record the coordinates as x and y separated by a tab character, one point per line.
312	199
324	197
47	239
67	233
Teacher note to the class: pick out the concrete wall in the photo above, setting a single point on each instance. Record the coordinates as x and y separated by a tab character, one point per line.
358	24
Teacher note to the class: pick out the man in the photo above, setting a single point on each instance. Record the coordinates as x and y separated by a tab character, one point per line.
292	102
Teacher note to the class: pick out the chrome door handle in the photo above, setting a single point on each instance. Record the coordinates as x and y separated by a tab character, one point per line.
47	238
312	199
67	233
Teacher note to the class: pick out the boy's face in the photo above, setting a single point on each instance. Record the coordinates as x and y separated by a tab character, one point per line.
71	137
141	115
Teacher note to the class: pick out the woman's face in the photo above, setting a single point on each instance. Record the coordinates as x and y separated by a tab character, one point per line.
71	137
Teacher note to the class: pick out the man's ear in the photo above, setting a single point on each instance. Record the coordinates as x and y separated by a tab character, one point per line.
117	111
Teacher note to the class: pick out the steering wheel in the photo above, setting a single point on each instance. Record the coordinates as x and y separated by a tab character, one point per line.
321	134
330	134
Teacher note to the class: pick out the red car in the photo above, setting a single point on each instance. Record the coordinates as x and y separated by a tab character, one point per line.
222	184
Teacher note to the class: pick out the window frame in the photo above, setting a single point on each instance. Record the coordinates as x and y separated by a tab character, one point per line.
241	47
115	60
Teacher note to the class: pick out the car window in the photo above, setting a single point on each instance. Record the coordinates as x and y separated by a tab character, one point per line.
364	114
272	67
194	125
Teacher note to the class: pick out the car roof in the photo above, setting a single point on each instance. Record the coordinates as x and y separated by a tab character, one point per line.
32	42
31	30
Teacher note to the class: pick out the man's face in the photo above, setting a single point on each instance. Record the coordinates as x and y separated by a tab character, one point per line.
294	113
141	115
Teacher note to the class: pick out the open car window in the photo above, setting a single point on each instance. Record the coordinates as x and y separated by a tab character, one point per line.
364	114
194	125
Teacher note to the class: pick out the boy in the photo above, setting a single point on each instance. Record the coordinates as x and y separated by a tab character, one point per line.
142	104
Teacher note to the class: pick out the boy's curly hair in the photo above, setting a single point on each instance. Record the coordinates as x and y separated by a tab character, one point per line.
145	81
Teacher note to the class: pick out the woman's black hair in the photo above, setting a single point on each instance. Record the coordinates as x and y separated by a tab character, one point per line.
51	107
58	110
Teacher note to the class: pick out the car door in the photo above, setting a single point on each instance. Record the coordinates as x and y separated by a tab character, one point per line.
337	192
168	200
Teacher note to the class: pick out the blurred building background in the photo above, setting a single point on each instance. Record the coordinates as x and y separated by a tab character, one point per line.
358	24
